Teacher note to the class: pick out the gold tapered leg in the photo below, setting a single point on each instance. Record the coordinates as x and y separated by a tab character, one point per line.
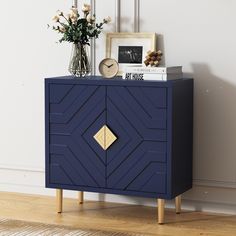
161	209
81	197
59	200
178	204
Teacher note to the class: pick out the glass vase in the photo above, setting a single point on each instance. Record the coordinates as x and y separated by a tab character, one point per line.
79	65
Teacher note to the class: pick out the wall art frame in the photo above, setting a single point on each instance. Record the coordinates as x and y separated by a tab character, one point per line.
129	49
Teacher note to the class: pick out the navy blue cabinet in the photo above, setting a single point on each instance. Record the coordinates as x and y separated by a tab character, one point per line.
151	155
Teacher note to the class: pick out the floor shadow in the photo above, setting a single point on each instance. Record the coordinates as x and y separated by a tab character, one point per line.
101	197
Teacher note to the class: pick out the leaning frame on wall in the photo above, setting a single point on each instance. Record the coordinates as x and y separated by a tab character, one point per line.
111	37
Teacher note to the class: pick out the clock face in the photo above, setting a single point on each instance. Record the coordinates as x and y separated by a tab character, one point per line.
109	68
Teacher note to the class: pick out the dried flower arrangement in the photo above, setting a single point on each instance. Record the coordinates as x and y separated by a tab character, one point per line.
78	29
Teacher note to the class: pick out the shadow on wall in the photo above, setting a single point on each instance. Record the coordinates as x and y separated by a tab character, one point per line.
161	46
214	126
214	134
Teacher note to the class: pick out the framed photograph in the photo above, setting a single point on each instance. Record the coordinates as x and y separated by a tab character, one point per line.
129	49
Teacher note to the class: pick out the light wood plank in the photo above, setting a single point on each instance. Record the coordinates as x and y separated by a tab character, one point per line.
114	217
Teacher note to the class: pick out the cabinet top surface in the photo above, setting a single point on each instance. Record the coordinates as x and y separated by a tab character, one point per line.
99	80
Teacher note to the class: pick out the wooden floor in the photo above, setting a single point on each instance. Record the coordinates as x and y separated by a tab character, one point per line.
114	217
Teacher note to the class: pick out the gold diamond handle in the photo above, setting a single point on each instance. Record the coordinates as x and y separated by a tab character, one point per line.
105	137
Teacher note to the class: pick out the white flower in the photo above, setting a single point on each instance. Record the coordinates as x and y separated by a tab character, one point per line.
90	19
74	10
60	13
107	20
56	18
73	20
73	16
62	29
86	8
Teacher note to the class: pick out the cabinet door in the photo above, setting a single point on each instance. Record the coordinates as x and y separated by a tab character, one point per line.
76	113
137	159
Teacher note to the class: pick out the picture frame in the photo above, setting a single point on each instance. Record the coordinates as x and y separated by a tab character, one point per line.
129	49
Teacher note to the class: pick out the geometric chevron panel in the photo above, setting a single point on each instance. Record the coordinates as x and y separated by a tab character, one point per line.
140	126
76	113
150	153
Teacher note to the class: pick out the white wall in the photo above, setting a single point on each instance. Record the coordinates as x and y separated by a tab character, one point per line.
200	35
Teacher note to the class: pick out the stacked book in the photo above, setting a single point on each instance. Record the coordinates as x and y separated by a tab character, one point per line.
153	73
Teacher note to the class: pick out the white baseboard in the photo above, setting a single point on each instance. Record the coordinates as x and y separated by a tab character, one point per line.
200	198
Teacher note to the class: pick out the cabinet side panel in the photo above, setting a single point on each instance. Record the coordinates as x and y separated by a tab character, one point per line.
182	137
46	84
169	141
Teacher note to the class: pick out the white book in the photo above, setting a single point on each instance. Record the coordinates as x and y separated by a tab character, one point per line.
157	77
152	70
